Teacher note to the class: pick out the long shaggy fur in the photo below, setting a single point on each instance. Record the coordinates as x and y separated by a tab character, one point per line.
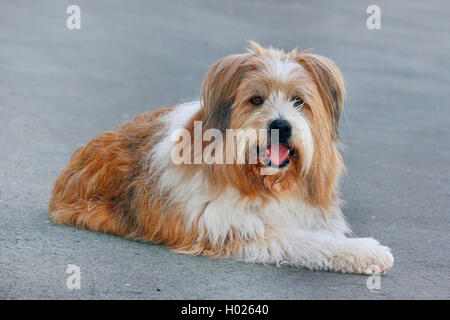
124	182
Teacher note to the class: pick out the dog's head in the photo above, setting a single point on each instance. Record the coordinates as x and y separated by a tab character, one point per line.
293	102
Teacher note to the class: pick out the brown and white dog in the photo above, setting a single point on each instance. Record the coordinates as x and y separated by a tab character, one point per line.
126	182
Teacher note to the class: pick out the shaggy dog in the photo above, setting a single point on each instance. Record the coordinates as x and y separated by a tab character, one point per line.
162	177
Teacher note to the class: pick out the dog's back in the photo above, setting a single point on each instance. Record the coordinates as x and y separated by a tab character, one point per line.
95	190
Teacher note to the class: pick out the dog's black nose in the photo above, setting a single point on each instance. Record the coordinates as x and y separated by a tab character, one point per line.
284	129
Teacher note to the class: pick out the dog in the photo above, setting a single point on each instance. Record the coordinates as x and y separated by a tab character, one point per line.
282	208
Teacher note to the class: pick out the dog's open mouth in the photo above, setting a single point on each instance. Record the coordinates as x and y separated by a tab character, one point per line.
278	155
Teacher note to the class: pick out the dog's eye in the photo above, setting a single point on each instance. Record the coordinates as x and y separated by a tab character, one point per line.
298	102
257	100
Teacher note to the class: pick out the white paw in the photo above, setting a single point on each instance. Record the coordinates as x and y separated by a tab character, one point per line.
378	260
364	256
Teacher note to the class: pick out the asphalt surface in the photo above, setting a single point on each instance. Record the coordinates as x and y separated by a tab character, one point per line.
60	87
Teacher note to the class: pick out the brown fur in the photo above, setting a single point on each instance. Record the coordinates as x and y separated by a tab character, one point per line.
225	94
107	187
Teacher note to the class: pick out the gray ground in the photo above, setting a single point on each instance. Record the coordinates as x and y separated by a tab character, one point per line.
58	88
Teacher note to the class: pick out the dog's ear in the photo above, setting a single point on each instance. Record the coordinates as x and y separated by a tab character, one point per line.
219	89
330	83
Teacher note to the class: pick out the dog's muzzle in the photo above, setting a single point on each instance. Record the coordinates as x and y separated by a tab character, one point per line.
282	128
278	148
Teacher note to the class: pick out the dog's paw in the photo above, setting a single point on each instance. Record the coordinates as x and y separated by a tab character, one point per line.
377	260
364	256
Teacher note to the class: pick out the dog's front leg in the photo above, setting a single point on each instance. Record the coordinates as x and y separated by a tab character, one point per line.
320	251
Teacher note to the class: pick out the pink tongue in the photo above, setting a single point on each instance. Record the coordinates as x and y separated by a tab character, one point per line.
278	153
